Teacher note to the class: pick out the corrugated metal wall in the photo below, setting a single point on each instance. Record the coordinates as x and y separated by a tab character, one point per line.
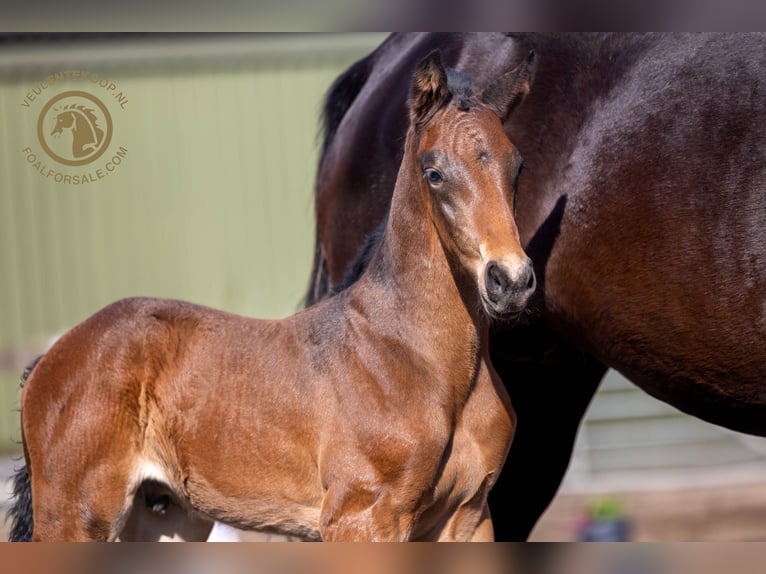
631	441
212	203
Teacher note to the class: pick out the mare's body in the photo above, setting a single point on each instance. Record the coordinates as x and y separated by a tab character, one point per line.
643	209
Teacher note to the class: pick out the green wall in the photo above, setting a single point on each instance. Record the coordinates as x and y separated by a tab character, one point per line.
212	203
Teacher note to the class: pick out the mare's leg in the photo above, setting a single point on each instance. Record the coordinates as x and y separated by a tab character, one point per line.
551	383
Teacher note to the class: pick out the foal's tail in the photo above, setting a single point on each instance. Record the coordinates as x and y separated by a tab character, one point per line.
338	100
20	513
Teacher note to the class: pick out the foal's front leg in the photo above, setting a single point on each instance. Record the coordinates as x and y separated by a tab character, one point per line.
485	531
361	514
471	522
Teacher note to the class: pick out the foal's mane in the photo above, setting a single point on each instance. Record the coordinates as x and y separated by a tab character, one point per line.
362	258
461	94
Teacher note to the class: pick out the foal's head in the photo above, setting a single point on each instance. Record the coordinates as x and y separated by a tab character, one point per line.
470	169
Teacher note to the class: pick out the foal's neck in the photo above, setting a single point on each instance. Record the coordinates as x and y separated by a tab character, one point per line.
413	276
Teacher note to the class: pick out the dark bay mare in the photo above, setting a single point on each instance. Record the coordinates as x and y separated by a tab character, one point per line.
643	209
374	415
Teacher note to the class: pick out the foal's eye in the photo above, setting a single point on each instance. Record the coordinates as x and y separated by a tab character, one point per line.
433	177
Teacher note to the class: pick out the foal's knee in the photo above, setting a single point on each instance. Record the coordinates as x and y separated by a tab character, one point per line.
364	516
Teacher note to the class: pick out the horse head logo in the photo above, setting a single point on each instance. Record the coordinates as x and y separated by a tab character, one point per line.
74	128
83	123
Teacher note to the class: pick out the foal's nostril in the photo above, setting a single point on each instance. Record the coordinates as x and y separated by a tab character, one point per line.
497	280
506	295
529	272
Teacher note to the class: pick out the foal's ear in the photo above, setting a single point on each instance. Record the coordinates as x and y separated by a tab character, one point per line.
509	90
429	88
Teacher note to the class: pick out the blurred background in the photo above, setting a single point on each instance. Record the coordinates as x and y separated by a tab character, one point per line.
213	204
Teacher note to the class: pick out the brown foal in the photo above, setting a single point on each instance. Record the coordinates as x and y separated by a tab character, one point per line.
374	415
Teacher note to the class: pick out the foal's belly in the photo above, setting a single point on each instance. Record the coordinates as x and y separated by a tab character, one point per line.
268	499
248	469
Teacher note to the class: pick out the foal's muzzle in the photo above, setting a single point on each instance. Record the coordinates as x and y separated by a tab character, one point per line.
507	290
